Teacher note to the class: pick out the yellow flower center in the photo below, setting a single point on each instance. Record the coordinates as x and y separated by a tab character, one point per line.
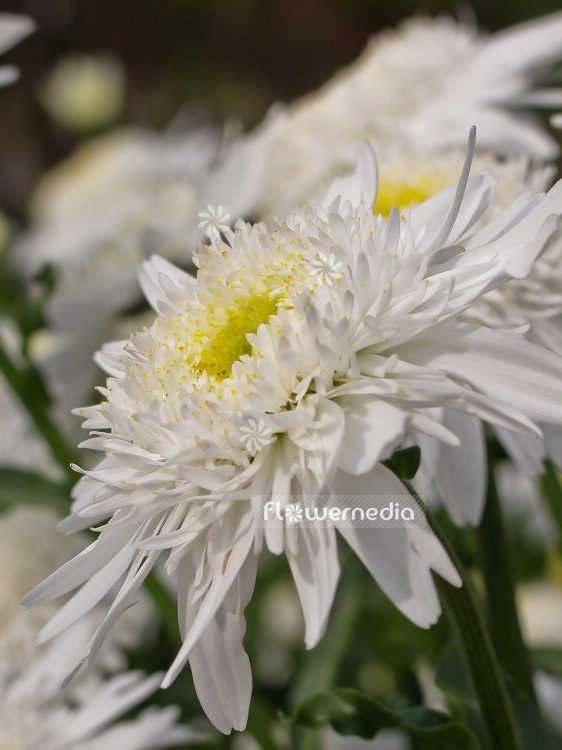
230	341
405	192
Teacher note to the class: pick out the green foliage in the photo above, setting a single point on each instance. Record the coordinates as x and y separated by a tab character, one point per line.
18	487
353	713
406	462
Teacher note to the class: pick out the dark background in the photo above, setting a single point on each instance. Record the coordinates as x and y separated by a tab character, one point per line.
229	57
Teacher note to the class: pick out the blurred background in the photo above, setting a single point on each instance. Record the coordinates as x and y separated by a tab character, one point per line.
160	61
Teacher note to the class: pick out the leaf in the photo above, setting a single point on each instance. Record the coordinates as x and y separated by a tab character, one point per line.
18	486
406	462
353	713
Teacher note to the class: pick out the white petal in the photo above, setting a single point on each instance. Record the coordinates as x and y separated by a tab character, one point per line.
461	472
14	28
502	365
241	546
361	186
220	666
373	430
399	559
529	452
315	568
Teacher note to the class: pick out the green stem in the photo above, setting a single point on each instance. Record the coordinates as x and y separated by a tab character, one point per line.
21	383
500	593
552	492
463	609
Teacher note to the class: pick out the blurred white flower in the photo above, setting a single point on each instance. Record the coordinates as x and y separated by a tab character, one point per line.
85	92
338	372
540	608
34	713
13	29
416	88
30	546
95	217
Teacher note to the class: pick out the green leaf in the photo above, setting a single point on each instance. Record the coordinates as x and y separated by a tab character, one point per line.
18	486
353	713
406	462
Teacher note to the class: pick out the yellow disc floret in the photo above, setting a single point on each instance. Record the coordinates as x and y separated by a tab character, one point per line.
405	191
230	342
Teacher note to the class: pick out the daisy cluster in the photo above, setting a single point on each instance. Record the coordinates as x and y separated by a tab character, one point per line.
348	280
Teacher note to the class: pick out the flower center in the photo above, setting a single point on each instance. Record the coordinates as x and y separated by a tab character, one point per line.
403	191
230	342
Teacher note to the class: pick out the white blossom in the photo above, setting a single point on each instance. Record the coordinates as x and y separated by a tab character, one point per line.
339	373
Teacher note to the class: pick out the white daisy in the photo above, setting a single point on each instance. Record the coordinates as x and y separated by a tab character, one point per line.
97	216
418	87
338	372
13	29
407	179
34	713
29	546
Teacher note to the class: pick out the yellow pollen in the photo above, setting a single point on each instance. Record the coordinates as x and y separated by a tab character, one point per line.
231	342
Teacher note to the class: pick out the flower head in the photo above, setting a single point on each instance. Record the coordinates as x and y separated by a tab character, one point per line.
418	87
334	375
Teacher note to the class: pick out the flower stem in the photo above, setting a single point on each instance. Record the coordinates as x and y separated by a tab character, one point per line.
21	382
464	612
500	589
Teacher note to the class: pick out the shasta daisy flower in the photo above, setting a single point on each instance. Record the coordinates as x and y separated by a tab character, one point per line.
332	375
535	301
34	713
418	87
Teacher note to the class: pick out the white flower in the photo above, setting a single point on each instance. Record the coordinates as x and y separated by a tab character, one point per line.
213	221
339	372
34	713
95	217
29	546
13	29
405	180
419	87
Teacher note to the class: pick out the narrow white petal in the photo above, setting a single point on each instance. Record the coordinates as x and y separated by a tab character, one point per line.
461	472
315	568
